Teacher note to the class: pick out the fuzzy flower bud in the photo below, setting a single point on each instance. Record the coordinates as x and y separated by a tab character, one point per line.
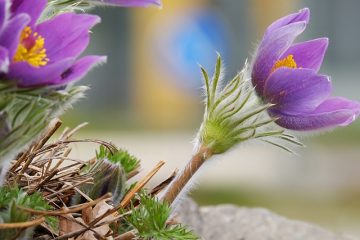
108	177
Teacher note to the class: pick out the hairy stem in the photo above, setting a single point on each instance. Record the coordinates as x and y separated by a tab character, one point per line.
179	183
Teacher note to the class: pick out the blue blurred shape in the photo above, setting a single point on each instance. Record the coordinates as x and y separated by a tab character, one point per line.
191	39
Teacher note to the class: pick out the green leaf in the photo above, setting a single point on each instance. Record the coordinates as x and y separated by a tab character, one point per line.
13	197
150	221
25	113
120	156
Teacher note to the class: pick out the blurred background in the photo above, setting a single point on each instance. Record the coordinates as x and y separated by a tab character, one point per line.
147	99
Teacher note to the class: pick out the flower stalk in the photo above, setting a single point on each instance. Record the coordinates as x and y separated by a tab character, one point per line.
233	115
179	183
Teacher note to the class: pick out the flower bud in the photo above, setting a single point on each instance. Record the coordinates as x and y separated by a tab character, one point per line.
108	177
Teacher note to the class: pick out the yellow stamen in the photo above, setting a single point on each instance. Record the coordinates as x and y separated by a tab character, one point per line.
35	55
287	61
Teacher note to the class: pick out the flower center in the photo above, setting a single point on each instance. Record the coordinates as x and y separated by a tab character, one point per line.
31	49
287	61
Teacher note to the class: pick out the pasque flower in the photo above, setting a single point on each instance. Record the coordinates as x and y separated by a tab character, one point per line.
286	75
39	54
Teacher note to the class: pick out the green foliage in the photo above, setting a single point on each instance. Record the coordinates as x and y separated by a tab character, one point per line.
10	199
149	219
122	157
24	114
55	7
69	3
234	114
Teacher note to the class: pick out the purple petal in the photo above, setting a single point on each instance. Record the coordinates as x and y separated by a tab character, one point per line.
309	54
128	3
34	10
66	35
4	60
10	35
302	16
80	68
332	113
336	103
273	45
15	4
4	13
296	90
28	76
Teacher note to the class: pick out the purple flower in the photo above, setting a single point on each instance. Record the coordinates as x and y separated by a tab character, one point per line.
285	74
47	53
128	3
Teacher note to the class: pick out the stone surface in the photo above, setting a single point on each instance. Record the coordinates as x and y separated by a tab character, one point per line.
229	222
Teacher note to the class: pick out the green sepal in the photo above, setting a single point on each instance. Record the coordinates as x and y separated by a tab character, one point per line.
25	113
235	114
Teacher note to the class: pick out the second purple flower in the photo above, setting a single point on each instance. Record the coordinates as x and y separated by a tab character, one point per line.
286	75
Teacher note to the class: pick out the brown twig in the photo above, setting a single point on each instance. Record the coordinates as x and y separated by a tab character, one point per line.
68	188
72	219
69	235
31	223
40	168
126	236
164	183
126	200
72	209
55	124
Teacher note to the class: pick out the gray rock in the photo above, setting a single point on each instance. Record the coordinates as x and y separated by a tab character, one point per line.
229	222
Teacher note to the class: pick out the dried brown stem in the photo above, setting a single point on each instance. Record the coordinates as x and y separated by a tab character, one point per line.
126	200
31	223
164	183
69	187
68	210
54	127
126	236
41	168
